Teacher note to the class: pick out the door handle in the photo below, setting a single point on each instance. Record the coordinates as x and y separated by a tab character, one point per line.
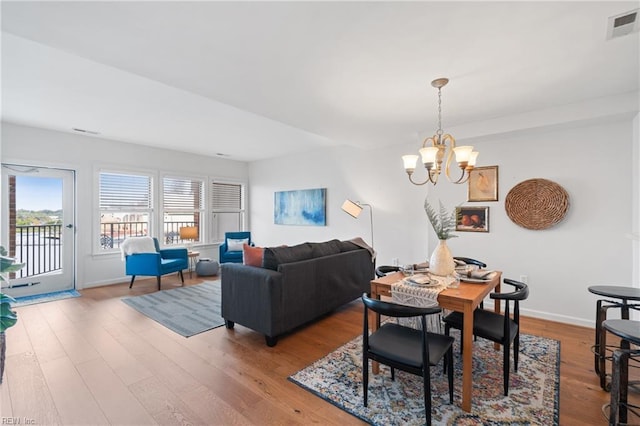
69	226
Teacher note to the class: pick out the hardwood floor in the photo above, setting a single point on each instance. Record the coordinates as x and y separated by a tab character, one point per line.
94	360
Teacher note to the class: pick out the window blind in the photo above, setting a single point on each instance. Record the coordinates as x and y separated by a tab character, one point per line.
182	194
118	191
226	196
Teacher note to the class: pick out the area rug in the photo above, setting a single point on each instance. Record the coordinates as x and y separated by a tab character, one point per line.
533	391
46	297
186	310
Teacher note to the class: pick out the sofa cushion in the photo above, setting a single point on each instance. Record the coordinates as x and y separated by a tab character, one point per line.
274	256
236	245
325	249
252	256
348	246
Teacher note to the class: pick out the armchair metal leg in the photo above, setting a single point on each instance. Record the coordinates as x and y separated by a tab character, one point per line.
133	277
158	282
182	277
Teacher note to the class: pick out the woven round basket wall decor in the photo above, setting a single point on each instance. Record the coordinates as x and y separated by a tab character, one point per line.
536	204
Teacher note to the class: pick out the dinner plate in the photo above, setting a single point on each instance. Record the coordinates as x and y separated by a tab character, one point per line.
475	280
432	283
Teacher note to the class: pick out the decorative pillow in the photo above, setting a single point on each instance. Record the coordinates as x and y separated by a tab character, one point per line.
236	245
252	256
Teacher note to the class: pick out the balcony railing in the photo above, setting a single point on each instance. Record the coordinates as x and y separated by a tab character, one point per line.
113	234
39	248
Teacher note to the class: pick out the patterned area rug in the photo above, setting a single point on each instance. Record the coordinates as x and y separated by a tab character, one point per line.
186	310
533	391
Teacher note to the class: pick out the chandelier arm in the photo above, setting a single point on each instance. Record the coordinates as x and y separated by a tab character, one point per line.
417	183
431	176
447	170
431	139
463	177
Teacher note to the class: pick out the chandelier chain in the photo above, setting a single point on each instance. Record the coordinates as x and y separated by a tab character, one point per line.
439	131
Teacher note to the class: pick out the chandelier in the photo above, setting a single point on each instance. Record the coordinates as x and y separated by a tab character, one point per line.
434	150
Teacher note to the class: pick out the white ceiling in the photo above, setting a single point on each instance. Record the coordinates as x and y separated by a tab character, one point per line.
256	80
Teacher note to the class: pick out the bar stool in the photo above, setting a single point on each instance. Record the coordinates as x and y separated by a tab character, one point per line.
629	332
624	295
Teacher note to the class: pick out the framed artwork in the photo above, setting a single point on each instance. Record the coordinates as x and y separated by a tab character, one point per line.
300	207
483	184
472	219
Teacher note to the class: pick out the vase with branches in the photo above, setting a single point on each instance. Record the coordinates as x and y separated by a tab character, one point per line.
444	224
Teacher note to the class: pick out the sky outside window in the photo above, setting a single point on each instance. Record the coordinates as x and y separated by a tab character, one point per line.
38	193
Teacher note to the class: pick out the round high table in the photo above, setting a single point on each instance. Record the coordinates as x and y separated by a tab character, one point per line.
629	332
622	296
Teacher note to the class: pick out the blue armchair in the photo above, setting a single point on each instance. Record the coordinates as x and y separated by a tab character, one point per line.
233	256
157	264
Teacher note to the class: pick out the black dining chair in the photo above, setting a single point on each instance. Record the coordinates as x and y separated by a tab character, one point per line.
470	261
383	270
405	348
499	328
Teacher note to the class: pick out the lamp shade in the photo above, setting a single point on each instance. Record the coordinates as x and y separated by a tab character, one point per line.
189	233
409	162
352	208
463	153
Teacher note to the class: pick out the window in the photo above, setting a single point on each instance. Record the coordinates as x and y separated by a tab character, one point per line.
227	201
182	202
126	207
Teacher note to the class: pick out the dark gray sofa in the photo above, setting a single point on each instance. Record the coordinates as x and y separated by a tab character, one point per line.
295	285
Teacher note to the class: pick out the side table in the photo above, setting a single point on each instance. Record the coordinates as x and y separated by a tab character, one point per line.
623	295
193	259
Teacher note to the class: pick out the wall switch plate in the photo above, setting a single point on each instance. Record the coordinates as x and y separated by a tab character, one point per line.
395	261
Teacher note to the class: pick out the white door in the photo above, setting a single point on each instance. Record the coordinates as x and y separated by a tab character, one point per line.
38	228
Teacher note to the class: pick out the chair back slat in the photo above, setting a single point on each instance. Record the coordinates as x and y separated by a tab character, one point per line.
396	310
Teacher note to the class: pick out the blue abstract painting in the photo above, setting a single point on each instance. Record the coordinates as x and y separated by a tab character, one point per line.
301	207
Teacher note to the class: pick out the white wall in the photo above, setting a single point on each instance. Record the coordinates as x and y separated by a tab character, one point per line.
38	147
593	161
591	246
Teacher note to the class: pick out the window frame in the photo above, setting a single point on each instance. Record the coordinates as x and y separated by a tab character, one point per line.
151	211
202	210
215	236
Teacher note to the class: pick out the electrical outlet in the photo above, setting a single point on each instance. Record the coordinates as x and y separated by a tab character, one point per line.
524	279
395	261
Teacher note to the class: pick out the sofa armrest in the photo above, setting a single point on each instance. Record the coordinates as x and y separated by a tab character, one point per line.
252	297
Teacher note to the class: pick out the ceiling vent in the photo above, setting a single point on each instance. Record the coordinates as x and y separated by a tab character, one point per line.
623	24
91	132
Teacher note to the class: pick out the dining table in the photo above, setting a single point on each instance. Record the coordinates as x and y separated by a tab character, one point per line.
465	299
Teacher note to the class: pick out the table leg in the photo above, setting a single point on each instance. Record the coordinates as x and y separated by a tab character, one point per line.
374	320
467	358
602	348
596	353
496	309
619	385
